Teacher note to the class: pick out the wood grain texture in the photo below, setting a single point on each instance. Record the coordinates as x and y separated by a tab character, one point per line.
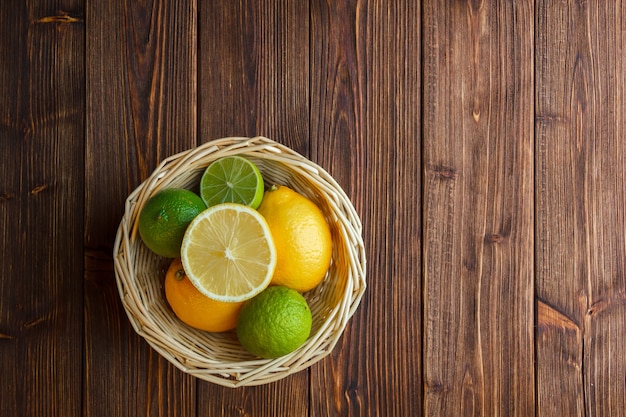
253	73
481	142
141	107
478	208
559	347
365	130
580	200
42	93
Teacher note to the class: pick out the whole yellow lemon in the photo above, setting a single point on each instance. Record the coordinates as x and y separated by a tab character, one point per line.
302	238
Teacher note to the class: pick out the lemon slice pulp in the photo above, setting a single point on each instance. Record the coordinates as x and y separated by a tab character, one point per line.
228	252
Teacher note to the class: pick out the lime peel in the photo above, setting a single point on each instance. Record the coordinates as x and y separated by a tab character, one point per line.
274	323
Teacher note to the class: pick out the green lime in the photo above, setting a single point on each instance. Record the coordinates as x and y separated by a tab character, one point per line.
165	217
274	323
232	179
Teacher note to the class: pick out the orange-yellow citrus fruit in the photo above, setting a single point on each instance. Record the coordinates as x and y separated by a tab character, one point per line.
302	238
194	308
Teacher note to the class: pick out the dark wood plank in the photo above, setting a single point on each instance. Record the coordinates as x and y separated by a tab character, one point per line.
42	96
580	189
559	364
478	208
365	130
253	76
254	71
560	225
141	108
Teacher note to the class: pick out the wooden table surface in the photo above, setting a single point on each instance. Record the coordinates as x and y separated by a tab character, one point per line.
481	142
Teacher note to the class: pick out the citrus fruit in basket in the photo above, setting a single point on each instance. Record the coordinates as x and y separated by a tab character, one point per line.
302	237
194	308
232	179
228	252
165	217
274	323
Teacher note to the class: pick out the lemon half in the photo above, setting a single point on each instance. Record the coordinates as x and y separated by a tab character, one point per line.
228	252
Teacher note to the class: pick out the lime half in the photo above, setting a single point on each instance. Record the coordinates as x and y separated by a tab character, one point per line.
232	179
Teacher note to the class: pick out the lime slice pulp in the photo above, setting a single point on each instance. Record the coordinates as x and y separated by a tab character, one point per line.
232	179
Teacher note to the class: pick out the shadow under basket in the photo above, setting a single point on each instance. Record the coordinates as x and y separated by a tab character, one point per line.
218	357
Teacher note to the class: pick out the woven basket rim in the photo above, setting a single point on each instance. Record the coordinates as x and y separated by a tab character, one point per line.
218	358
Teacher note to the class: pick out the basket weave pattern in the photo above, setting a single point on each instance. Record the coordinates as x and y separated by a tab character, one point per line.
218	357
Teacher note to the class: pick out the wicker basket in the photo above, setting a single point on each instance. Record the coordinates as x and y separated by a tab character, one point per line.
218	357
